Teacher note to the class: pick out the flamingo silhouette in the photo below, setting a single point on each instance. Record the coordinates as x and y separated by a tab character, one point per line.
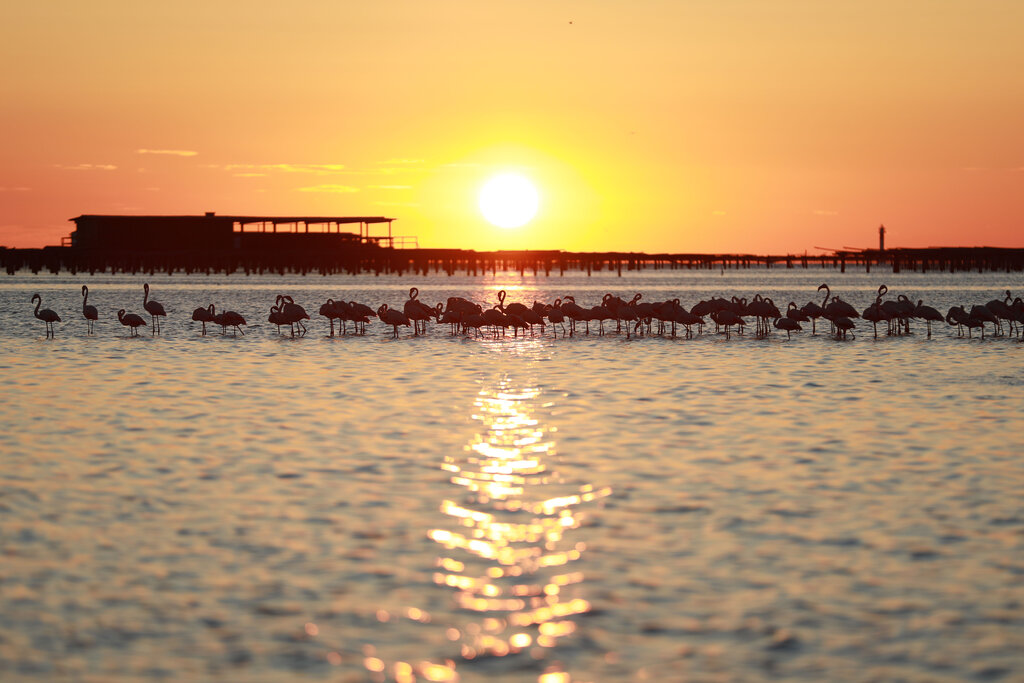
788	324
204	315
927	313
46	315
229	319
131	320
293	313
276	317
89	312
418	312
153	308
390	316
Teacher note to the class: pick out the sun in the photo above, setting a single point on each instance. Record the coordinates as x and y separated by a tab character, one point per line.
509	200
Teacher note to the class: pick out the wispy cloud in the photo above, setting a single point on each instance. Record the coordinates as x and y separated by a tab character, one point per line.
336	189
317	169
15	189
86	167
169	152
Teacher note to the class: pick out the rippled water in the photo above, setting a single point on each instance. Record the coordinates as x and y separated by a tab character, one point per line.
263	508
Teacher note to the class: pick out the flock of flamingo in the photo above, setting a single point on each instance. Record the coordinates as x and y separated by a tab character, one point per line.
634	317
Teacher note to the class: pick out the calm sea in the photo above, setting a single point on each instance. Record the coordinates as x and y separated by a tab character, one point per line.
360	508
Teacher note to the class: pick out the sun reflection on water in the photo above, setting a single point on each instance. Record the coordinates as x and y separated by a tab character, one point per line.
510	553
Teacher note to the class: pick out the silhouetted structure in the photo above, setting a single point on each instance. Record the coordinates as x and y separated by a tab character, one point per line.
881	238
304	244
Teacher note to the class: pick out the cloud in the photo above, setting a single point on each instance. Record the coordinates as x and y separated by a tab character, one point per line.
169	152
825	212
15	189
250	175
316	169
86	167
336	189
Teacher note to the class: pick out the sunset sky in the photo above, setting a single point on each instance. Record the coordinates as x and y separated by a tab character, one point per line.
659	125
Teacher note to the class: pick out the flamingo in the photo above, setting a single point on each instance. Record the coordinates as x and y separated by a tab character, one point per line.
727	319
330	311
204	315
229	319
390	316
154	308
555	316
361	314
276	317
843	325
417	311
984	315
46	315
927	313
787	324
1002	311
574	312
131	320
293	313
91	314
876	312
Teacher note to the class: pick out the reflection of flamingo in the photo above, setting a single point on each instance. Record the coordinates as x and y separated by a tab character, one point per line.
46	315
131	320
90	312
203	315
153	308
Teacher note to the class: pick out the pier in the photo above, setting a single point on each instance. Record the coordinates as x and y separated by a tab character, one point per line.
320	245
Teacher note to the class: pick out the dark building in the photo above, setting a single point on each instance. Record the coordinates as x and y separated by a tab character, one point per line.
213	233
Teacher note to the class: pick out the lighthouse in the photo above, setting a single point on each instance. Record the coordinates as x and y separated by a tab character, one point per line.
881	238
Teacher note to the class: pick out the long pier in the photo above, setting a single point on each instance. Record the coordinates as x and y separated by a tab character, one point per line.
372	258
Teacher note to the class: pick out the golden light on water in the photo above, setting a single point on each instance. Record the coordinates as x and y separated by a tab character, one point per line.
509	549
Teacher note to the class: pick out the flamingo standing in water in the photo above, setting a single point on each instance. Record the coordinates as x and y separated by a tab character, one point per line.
46	315
418	312
788	324
361	314
89	312
390	316
276	317
928	314
154	309
131	320
204	315
229	319
293	313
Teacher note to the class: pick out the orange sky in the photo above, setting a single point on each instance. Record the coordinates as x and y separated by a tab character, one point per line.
657	125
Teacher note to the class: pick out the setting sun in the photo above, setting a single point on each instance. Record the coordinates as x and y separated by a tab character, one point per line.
509	200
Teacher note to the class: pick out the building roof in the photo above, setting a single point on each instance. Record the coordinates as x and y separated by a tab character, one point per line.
247	219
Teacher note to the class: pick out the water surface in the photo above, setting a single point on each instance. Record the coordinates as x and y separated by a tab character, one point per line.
264	508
